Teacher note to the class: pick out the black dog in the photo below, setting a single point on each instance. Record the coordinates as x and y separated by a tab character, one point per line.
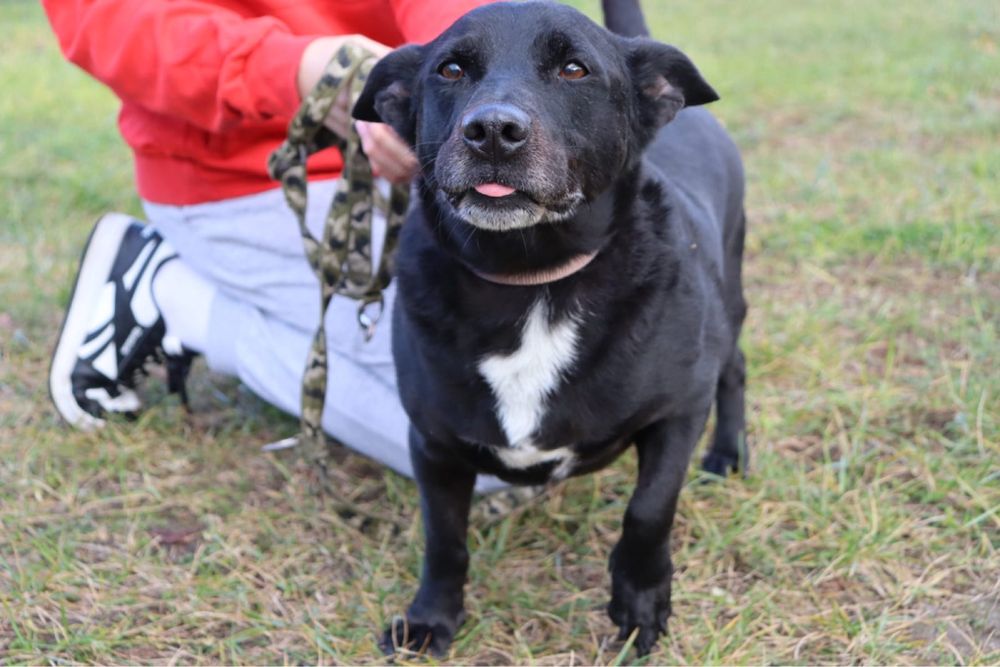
569	282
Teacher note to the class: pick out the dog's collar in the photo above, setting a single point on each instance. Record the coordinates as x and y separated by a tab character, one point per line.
541	277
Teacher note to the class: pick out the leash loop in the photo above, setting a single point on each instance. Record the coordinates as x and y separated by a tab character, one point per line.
369	321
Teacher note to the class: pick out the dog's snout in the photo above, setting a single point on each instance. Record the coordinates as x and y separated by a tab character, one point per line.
496	131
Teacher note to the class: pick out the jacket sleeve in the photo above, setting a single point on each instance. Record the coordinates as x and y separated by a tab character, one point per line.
183	58
420	21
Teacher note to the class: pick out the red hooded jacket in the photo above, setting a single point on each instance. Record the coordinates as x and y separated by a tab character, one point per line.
208	87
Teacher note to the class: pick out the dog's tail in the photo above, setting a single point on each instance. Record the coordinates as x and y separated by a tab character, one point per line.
625	18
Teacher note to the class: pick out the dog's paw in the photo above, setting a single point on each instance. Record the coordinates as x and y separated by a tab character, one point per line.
407	635
644	609
720	464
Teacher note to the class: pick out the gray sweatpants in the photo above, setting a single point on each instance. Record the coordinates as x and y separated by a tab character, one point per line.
266	310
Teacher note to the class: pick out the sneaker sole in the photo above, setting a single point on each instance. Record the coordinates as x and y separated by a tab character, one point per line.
95	266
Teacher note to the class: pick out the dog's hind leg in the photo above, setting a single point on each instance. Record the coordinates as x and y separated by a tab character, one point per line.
729	451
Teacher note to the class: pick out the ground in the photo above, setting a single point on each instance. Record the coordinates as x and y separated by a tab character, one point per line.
867	531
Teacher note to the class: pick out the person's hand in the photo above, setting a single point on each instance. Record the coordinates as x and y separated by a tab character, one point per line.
389	155
391	158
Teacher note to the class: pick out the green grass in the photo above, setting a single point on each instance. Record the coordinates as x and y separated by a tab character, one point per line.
868	531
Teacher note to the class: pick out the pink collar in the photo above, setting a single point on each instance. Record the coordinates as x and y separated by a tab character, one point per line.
542	277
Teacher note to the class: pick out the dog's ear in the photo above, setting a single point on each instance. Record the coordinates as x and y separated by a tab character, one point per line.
388	93
666	81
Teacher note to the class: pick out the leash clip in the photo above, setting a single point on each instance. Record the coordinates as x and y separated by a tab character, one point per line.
367	321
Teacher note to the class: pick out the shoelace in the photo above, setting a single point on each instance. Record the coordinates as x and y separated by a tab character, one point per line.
178	367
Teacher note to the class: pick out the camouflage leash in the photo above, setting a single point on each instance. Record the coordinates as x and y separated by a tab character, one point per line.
343	260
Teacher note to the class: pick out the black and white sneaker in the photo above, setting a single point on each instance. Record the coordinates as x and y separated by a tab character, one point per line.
112	325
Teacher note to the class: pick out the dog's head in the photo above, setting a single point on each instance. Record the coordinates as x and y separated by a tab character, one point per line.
522	112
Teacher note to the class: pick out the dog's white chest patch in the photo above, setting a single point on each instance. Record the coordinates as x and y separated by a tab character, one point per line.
523	381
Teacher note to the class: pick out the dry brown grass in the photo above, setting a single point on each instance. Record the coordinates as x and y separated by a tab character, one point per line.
868	530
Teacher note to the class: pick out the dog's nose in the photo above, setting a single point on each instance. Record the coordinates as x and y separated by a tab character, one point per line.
496	131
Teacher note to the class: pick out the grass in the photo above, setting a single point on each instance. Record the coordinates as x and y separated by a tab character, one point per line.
868	531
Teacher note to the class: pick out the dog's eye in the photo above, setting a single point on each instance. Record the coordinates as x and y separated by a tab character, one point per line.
451	71
573	71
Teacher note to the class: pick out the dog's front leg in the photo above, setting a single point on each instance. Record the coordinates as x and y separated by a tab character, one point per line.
640	563
438	609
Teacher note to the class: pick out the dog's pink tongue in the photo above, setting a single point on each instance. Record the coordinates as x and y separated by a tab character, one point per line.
494	190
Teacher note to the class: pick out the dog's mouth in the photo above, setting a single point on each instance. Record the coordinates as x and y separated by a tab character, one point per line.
496	197
496	206
494	190
492	193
